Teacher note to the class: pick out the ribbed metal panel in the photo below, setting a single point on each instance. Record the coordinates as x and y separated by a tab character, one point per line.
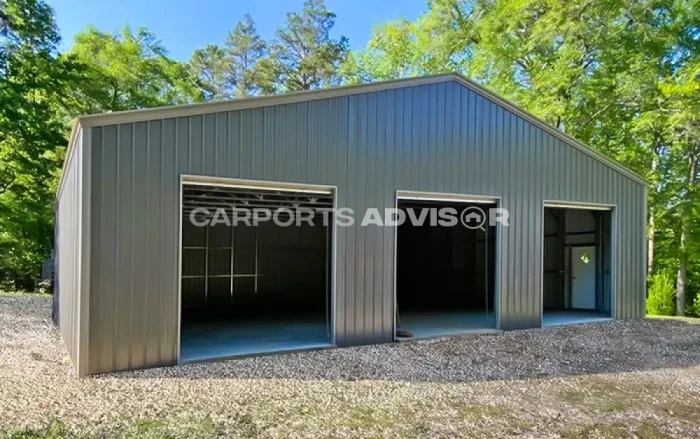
68	255
440	137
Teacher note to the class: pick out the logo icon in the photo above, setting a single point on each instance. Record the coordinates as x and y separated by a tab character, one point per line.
473	217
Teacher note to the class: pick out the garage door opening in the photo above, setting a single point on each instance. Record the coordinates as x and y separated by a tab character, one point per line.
444	273
577	261
250	288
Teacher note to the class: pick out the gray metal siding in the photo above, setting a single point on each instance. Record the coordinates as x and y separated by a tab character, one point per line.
68	257
440	137
133	311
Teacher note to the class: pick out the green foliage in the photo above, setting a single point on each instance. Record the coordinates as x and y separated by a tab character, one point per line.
245	48
31	137
129	70
53	430
210	65
304	54
141	428
661	297
438	41
40	90
693	308
235	69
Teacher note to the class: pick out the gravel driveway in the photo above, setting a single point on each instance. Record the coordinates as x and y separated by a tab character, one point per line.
603	380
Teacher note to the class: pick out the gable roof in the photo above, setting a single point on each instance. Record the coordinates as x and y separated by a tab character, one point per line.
312	95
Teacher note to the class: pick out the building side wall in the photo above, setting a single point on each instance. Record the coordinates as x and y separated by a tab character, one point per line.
68	252
439	137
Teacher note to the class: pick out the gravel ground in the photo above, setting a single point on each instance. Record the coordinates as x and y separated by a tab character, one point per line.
603	380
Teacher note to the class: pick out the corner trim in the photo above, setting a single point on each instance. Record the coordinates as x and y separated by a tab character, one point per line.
85	156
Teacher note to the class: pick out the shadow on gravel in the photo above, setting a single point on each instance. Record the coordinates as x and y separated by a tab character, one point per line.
608	347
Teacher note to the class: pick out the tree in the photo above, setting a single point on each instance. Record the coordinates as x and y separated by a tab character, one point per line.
31	137
392	52
210	67
234	70
245	49
682	102
40	91
304	56
130	70
669	124
438	41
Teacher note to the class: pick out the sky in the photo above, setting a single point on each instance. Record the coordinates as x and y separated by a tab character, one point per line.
183	25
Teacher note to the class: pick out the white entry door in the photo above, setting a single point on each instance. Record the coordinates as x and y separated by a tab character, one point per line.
583	277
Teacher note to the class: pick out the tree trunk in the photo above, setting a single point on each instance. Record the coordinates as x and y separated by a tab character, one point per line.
680	281
652	228
683	257
650	246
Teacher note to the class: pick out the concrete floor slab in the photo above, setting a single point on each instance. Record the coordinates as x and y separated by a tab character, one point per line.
222	339
557	318
445	323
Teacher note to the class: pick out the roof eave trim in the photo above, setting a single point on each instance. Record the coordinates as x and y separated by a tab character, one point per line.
147	114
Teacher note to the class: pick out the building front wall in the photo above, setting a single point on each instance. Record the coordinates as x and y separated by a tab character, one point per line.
441	137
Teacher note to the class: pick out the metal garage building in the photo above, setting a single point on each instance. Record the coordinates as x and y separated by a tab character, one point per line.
137	286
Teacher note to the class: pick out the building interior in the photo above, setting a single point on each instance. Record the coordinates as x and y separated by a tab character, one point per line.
577	260
445	275
251	288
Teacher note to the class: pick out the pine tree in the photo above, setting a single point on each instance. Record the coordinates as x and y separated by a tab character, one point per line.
304	55
244	49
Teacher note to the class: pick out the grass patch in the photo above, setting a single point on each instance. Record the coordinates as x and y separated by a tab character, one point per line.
600	396
364	417
420	429
150	427
687	319
681	411
598	401
607	431
477	412
144	428
54	430
308	411
573	396
473	412
170	428
645	430
245	424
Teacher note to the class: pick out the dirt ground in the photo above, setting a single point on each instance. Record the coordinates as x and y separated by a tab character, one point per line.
604	380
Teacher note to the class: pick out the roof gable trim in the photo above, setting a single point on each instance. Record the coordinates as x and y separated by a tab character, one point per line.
569	140
173	111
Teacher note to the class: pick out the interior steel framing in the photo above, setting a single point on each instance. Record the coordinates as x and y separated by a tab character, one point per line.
236	183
